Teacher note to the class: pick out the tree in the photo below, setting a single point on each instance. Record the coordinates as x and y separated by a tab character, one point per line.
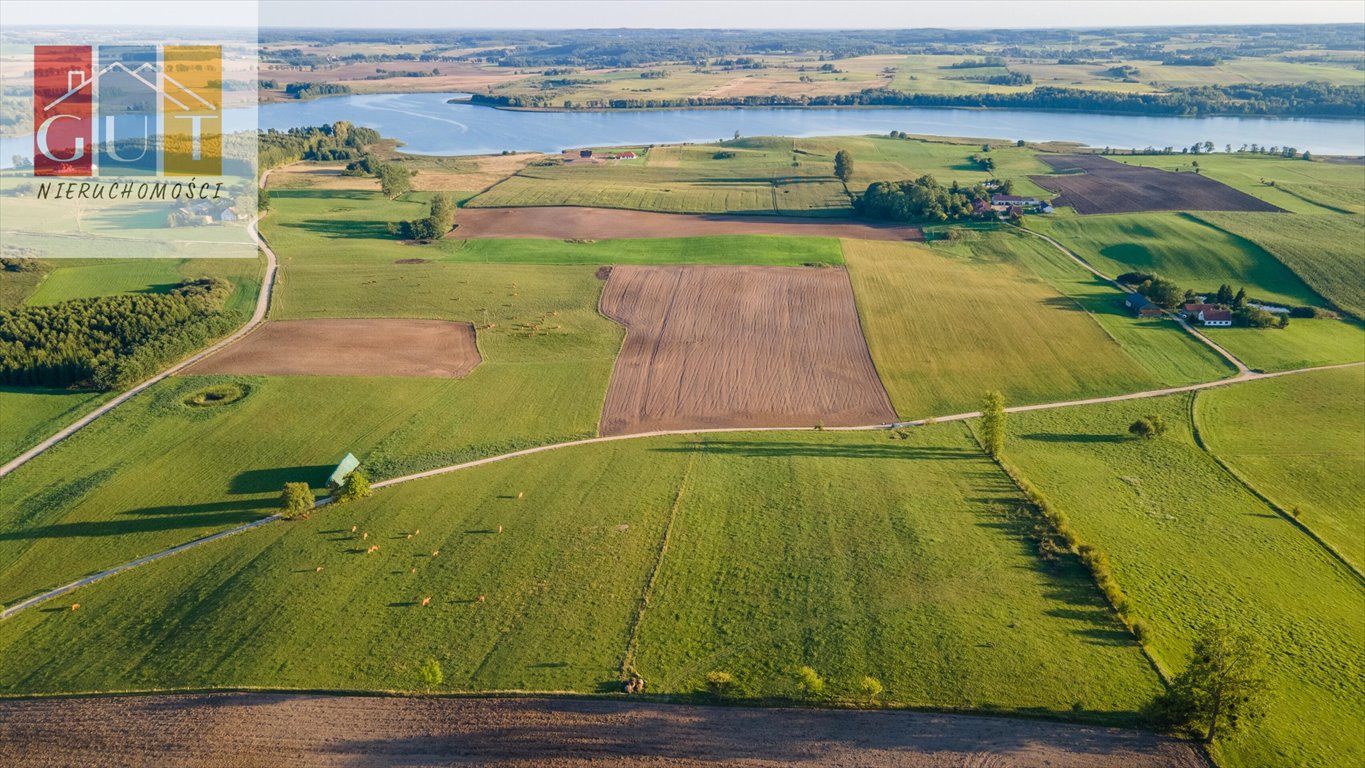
296	499
394	180
843	165
736	135
993	424
442	213
720	684
1223	687
357	486
1148	427
431	673
1019	143
1224	296
1240	300
809	683
871	687
1307	155
263	200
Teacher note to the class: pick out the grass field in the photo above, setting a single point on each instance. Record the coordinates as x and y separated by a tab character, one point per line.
16	287
1303	344
1325	251
1297	440
765	175
946	323
27	415
1180	247
1298	186
90	278
1188	543
739	588
759	250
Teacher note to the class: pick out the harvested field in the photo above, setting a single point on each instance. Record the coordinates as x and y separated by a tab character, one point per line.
575	223
1104	186
250	729
419	348
713	346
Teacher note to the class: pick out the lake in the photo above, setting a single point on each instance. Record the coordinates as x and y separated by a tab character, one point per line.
428	125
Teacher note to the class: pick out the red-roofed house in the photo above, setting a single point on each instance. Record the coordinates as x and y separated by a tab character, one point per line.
627	155
1215	317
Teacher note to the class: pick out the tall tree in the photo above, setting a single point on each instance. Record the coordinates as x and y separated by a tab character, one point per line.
993	423
1223	687
394	180
843	165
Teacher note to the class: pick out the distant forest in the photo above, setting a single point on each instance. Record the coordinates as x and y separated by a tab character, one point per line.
1306	99
643	47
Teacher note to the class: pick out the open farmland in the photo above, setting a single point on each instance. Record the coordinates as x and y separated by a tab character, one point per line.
738	347
1292	184
948	322
1313	460
577	223
563	585
438	348
1325	251
29	414
1188	544
1303	344
1181	247
1094	184
550	732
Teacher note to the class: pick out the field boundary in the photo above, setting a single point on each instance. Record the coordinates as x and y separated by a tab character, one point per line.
633	643
1248	376
1246	485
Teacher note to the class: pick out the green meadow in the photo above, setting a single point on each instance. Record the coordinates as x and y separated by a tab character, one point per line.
1188	543
1297	440
758	577
1178	246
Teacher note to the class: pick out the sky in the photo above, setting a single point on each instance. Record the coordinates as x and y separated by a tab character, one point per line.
728	14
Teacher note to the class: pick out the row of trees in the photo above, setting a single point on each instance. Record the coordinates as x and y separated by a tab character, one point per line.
334	141
1303	99
432	227
112	341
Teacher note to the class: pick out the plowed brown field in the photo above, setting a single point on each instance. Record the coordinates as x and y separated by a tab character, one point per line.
572	223
247	730
1109	187
429	348
712	346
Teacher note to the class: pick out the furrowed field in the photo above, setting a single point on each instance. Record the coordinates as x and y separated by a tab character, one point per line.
1188	543
1294	185
947	322
1297	440
963	613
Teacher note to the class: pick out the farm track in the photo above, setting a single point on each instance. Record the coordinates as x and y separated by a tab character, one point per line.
257	317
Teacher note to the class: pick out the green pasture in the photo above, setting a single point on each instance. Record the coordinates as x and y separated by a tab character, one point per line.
29	414
1188	543
1305	343
947	322
960	612
1297	440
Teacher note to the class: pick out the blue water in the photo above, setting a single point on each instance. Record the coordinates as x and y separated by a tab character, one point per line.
428	125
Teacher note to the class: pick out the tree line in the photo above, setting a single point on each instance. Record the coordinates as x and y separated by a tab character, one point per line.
334	141
1304	99
110	342
922	199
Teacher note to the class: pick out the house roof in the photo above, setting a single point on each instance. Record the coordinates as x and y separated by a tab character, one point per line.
1197	308
345	468
1137	301
1215	315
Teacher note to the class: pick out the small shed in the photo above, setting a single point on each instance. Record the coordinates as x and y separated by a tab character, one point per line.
343	470
585	153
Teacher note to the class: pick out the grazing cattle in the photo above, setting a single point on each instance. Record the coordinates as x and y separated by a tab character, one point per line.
426	601
373	548
364	535
74	606
499	529
520	494
319	569
482	599
353	528
435	552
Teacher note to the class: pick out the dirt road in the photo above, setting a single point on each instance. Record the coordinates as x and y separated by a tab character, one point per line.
271	729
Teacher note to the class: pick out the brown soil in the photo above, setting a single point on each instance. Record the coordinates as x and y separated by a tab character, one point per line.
570	223
431	348
1110	187
246	730
716	346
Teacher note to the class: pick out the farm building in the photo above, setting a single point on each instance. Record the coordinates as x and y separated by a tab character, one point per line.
1005	202
343	470
627	155
585	153
1215	317
1142	306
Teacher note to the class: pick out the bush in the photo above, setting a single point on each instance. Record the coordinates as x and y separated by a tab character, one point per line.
296	499
809	683
871	687
1142	631
725	155
431	673
720	685
1148	427
357	486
